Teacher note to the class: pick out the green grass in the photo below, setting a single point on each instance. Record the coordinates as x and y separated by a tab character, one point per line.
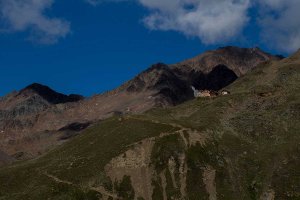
80	161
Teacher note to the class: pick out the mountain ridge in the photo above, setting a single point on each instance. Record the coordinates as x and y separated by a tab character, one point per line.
38	109
228	56
48	94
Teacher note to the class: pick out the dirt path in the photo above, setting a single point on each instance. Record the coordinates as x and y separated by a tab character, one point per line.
177	126
96	189
57	179
104	192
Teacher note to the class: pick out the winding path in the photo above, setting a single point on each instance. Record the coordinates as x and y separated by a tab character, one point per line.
99	189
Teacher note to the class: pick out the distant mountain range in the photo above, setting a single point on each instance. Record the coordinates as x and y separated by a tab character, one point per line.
38	110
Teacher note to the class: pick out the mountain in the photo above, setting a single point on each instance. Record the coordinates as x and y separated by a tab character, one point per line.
169	89
20	113
239	60
18	107
216	69
32	99
239	146
35	115
212	70
48	94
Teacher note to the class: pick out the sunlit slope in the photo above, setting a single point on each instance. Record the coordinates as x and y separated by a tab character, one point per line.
242	146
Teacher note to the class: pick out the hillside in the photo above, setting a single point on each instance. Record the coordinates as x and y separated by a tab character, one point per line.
245	145
5	159
31	119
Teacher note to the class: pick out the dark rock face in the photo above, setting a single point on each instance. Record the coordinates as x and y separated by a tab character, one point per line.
170	89
75	127
49	95
218	78
72	130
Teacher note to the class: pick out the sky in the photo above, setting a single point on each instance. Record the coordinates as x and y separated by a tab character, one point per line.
91	46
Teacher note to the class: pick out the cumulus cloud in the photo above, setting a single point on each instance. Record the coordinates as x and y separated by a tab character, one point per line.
280	23
29	15
218	21
213	21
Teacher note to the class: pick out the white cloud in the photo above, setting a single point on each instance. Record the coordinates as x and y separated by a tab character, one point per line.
219	21
29	15
213	21
280	23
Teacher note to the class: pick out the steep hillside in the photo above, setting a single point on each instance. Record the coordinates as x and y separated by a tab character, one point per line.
169	89
30	118
241	146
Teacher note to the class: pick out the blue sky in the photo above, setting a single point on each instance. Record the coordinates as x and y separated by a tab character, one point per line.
90	47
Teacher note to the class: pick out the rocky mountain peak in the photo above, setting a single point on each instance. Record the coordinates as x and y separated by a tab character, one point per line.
20	110
239	60
48	94
148	78
161	80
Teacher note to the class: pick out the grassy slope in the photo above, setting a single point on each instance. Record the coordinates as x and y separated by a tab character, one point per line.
80	161
254	144
256	133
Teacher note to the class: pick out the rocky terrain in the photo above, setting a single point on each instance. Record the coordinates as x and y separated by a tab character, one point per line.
31	119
